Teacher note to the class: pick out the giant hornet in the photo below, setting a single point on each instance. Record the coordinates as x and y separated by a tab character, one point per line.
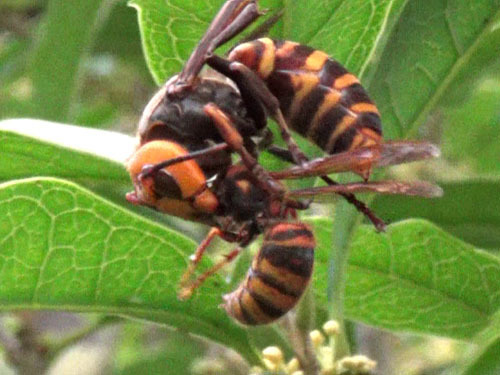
241	210
189	129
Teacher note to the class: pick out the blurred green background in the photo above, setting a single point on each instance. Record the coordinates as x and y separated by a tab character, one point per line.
55	69
54	66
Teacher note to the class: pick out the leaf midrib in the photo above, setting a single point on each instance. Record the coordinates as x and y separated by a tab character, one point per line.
412	283
327	20
448	80
377	40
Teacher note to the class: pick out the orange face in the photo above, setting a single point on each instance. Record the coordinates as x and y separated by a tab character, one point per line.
179	189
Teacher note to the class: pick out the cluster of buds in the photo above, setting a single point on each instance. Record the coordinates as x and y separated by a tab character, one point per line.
275	363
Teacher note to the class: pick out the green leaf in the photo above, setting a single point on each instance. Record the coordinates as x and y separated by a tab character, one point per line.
65	38
468	210
83	155
471	132
25	156
120	35
415	277
430	49
485	359
65	248
353	32
300	28
171	29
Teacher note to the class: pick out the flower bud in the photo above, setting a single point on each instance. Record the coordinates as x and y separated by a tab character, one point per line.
331	328
273	357
357	363
317	338
292	366
256	370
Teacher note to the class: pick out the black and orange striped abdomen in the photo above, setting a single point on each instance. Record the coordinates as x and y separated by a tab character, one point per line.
319	98
278	276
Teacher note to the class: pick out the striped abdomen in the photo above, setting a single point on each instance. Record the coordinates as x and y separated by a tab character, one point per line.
278	276
319	98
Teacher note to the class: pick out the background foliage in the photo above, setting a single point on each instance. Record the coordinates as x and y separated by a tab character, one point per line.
66	244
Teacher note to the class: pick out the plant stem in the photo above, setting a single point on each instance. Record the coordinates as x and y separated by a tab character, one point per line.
305	322
306	317
23	348
301	344
346	218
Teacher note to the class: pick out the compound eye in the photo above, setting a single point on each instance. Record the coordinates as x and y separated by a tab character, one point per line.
165	185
